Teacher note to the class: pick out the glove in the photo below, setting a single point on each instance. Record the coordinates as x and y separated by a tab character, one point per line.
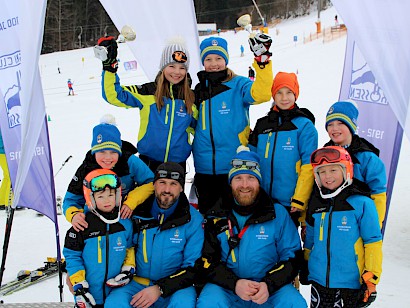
107	52
304	273
83	298
368	291
123	278
260	44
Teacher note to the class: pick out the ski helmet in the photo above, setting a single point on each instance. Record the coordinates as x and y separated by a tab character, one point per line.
98	180
332	155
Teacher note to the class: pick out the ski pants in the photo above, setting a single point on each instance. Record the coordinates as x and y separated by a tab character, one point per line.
215	296
121	297
328	297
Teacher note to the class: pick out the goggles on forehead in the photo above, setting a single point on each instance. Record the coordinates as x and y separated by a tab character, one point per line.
239	163
102	181
164	174
179	56
325	154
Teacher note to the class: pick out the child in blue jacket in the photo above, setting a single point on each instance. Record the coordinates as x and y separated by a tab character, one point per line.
343	242
284	140
103	253
341	125
223	100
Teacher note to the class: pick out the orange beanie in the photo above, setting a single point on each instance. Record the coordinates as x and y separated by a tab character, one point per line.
288	80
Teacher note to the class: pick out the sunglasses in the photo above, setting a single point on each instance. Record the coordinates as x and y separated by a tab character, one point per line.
239	163
102	181
325	154
169	175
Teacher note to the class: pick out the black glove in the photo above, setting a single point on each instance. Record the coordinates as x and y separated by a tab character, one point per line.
260	44
367	292
110	45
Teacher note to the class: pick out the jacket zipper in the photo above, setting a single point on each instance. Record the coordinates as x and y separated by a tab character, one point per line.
329	230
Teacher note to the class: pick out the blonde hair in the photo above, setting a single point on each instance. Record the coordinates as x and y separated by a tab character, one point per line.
184	92
229	74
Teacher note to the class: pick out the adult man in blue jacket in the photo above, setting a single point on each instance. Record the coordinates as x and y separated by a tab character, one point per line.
168	239
250	245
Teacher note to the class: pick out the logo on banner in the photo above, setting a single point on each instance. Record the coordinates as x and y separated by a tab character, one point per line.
12	101
364	86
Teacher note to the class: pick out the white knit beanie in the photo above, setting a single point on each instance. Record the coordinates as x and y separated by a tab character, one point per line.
174	52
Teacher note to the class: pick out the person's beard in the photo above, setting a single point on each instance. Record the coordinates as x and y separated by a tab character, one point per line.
245	199
166	200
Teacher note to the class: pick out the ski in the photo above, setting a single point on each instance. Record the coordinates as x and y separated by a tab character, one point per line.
26	278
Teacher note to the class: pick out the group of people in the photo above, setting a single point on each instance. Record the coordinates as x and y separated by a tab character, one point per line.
135	239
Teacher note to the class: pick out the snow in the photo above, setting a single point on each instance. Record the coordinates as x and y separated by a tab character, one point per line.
71	119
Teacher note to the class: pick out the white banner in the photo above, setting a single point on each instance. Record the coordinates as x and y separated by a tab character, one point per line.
381	30
155	22
22	107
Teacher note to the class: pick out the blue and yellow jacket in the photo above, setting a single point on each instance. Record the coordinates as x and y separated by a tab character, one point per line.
284	140
223	120
266	252
167	249
369	168
136	181
343	238
98	253
164	135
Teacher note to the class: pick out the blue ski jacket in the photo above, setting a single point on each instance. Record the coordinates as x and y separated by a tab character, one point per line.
166	250
343	237
223	119
266	252
284	140
369	168
164	135
98	253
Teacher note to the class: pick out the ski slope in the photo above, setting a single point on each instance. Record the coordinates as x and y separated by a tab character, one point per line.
71	119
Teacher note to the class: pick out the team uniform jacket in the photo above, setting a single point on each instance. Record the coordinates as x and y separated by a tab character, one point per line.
284	140
223	122
98	253
132	171
344	238
163	135
266	251
369	168
166	251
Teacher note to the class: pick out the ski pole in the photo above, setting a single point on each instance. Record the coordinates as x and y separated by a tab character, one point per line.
68	158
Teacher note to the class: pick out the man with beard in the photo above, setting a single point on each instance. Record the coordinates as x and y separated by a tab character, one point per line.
168	238
250	245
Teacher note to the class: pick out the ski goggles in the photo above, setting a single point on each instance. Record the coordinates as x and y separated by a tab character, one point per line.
102	181
164	174
329	155
179	57
239	163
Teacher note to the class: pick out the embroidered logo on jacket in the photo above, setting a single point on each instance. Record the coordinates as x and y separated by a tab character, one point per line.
262	235
176	238
288	145
344	226
224	109
119	246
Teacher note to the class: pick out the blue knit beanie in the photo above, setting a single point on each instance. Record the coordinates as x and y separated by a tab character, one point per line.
243	153
214	45
345	112
106	136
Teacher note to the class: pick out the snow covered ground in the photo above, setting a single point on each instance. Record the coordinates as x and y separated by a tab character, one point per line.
319	67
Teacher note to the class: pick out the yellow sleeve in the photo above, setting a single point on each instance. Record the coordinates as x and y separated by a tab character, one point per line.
77	277
138	195
304	187
130	257
373	257
71	211
261	88
380	202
